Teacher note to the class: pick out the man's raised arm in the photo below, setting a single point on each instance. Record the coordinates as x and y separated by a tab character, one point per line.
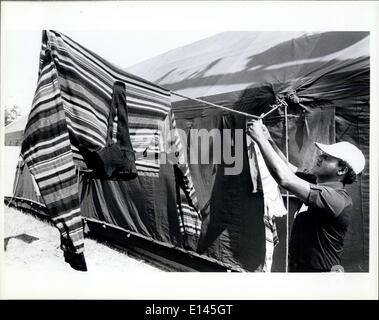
279	168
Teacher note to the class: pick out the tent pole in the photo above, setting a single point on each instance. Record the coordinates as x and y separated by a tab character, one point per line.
287	194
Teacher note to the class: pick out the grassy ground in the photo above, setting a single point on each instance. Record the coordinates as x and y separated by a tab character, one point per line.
33	245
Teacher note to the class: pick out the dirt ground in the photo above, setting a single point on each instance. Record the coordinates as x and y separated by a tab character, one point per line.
33	245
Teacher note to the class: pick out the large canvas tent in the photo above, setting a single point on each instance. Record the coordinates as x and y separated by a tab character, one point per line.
324	77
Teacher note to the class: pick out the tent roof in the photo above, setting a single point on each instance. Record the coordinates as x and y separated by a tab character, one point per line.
232	61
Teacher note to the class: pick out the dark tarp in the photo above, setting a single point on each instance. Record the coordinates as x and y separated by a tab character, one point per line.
233	230
143	205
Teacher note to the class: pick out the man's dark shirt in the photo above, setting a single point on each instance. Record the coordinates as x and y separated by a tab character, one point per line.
318	232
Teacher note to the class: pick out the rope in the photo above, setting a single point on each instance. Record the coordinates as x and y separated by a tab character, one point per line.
216	105
278	104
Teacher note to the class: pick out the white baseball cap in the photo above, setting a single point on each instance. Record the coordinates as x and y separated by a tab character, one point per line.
347	152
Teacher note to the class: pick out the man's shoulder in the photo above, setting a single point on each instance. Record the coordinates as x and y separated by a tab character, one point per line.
330	197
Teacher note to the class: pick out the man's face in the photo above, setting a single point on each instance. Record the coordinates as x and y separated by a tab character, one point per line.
326	166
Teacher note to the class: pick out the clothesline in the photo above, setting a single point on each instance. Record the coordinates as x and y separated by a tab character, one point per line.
278	104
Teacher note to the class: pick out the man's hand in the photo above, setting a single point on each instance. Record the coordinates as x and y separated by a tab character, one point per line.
257	130
266	132
276	163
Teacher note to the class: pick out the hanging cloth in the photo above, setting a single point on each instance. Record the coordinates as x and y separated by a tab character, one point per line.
273	201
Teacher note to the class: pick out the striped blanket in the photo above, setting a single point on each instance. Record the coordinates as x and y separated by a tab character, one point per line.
72	101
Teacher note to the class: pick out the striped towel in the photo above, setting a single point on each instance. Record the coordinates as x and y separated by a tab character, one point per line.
273	200
72	101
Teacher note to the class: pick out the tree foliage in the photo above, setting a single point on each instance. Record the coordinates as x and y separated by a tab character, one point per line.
11	114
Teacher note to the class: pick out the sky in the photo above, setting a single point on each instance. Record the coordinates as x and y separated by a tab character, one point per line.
123	48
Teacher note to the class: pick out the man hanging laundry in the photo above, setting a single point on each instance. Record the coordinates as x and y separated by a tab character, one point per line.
321	223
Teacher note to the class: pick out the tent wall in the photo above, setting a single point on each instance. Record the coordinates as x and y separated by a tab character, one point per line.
24	187
353	124
13	138
24	195
231	232
145	205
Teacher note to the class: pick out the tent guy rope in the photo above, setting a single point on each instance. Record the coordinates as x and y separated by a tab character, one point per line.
279	103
